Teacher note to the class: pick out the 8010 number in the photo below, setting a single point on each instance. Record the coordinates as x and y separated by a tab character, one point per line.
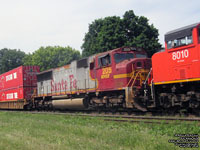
180	54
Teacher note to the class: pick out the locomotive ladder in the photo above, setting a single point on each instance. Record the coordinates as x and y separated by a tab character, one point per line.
139	75
134	78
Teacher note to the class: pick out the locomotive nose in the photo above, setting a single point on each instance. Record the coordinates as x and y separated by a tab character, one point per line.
140	70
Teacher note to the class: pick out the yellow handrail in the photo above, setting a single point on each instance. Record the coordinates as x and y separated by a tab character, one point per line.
135	78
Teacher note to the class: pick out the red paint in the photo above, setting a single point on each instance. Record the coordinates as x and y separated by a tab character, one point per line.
63	85
59	86
21	76
126	67
73	82
18	83
177	63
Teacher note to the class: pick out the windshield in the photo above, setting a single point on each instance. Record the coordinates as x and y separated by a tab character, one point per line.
180	42
119	57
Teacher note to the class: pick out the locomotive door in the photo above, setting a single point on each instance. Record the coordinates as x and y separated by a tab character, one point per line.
104	72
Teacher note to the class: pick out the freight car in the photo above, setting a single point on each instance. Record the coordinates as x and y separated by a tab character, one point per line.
109	80
17	87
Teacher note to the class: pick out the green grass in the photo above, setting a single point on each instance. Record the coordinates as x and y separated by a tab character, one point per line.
21	131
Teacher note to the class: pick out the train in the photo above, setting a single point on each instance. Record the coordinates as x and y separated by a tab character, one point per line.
119	79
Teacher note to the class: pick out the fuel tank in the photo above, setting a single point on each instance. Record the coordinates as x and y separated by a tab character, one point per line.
70	104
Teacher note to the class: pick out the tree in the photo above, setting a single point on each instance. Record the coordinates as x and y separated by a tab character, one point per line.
113	32
51	57
10	59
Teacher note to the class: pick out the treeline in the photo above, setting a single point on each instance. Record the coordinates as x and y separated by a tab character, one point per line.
103	34
51	57
45	57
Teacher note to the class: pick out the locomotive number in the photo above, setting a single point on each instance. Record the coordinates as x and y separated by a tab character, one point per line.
180	54
106	72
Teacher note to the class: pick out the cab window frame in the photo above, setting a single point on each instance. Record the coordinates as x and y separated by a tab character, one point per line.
180	37
126	57
104	60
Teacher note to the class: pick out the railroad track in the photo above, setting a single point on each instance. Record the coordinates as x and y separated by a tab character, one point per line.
144	119
152	121
122	118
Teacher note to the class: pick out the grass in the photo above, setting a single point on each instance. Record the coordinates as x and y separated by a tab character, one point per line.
21	131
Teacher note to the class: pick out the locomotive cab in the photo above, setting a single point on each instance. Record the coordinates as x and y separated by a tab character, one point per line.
176	71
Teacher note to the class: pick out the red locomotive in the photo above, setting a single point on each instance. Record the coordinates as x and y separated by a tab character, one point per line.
117	79
176	71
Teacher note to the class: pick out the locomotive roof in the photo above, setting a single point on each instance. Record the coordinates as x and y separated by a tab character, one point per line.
180	32
117	49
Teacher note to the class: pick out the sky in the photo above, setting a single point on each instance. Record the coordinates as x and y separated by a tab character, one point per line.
29	24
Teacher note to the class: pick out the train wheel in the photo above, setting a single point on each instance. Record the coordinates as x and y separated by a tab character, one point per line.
129	111
114	110
196	111
99	110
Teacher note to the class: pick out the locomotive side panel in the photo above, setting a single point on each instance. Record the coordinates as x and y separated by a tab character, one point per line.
84	79
64	79
69	79
180	60
57	81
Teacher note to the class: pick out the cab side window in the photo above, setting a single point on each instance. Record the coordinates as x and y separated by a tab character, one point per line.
104	61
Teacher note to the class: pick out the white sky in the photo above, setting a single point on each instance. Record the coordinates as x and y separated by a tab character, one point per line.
30	24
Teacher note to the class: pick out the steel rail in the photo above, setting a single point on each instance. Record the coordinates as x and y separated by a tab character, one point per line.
117	117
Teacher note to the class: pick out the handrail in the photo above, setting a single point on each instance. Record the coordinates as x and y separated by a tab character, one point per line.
131	79
134	77
138	73
134	83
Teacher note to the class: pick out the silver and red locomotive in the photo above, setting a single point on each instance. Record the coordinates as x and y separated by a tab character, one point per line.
106	80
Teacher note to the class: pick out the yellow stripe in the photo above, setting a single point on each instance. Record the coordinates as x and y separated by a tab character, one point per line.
177	81
129	74
122	76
